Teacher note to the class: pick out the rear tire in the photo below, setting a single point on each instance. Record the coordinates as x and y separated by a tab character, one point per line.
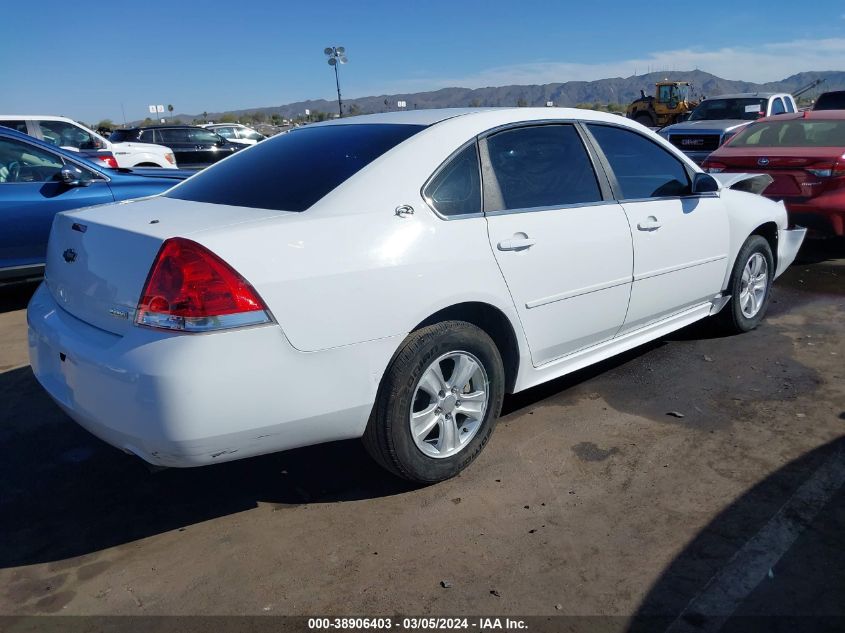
750	287
644	119
420	428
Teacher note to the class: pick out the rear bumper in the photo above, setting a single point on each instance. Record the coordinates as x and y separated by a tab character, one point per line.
789	243
190	400
824	216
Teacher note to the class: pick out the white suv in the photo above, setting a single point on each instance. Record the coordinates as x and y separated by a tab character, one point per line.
69	134
236	133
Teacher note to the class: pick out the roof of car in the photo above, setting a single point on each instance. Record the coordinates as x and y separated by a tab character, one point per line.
408	117
812	115
42	117
749	95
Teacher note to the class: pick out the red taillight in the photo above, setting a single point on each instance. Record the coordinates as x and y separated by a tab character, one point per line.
713	167
189	288
110	161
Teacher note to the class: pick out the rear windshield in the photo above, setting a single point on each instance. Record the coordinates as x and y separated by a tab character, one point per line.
292	171
123	136
831	101
723	109
795	133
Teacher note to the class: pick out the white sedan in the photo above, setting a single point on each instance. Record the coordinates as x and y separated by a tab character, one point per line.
389	277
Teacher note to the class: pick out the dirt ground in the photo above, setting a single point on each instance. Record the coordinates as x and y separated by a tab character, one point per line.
589	500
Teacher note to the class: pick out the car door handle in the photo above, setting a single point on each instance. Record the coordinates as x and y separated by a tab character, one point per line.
649	224
517	243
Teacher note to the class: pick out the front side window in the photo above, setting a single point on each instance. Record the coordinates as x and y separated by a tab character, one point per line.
20	162
543	166
65	134
777	106
203	136
789	106
225	132
292	171
642	168
251	135
456	189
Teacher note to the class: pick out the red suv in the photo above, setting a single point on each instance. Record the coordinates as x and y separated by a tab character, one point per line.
805	155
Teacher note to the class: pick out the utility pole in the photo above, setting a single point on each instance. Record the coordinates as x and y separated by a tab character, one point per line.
336	56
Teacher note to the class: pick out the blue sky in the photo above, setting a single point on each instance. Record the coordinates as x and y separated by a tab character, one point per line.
84	59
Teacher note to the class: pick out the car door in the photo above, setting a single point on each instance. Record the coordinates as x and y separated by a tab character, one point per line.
680	239
563	246
186	153
210	146
30	195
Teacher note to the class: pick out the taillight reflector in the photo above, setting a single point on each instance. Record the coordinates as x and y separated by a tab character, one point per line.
191	289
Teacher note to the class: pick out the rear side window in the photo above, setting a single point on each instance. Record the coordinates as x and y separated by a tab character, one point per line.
642	168
166	136
777	106
292	171
456	189
123	136
542	166
20	126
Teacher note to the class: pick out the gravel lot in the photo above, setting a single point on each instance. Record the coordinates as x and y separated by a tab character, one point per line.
590	499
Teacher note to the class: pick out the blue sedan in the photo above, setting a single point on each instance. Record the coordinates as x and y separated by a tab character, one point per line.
37	180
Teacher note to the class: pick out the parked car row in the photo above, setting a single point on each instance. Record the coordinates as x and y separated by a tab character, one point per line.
236	314
194	147
802	152
39	179
168	146
68	134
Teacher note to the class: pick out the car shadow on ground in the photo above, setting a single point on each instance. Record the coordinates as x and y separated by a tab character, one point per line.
65	493
773	560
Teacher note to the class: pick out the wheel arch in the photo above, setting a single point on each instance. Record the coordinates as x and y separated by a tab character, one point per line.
494	322
769	231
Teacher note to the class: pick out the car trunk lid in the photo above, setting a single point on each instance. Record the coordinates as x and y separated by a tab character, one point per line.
788	167
98	258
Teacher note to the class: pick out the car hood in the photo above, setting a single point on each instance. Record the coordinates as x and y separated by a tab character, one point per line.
691	127
156	172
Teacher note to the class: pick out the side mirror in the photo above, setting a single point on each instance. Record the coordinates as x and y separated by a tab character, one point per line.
72	176
704	183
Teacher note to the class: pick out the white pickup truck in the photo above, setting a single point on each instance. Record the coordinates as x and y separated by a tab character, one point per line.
71	135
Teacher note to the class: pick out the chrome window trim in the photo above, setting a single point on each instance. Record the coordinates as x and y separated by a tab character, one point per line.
558	207
430	203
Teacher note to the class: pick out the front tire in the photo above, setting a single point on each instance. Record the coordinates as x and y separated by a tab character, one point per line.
750	287
438	402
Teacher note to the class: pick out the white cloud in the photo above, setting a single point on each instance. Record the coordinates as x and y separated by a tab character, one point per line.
761	63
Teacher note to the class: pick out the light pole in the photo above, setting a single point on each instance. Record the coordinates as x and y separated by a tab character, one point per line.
337	56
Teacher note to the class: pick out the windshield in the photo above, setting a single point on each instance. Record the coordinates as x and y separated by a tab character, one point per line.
724	109
292	171
795	133
123	136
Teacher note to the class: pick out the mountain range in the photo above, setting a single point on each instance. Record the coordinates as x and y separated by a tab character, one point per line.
617	90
